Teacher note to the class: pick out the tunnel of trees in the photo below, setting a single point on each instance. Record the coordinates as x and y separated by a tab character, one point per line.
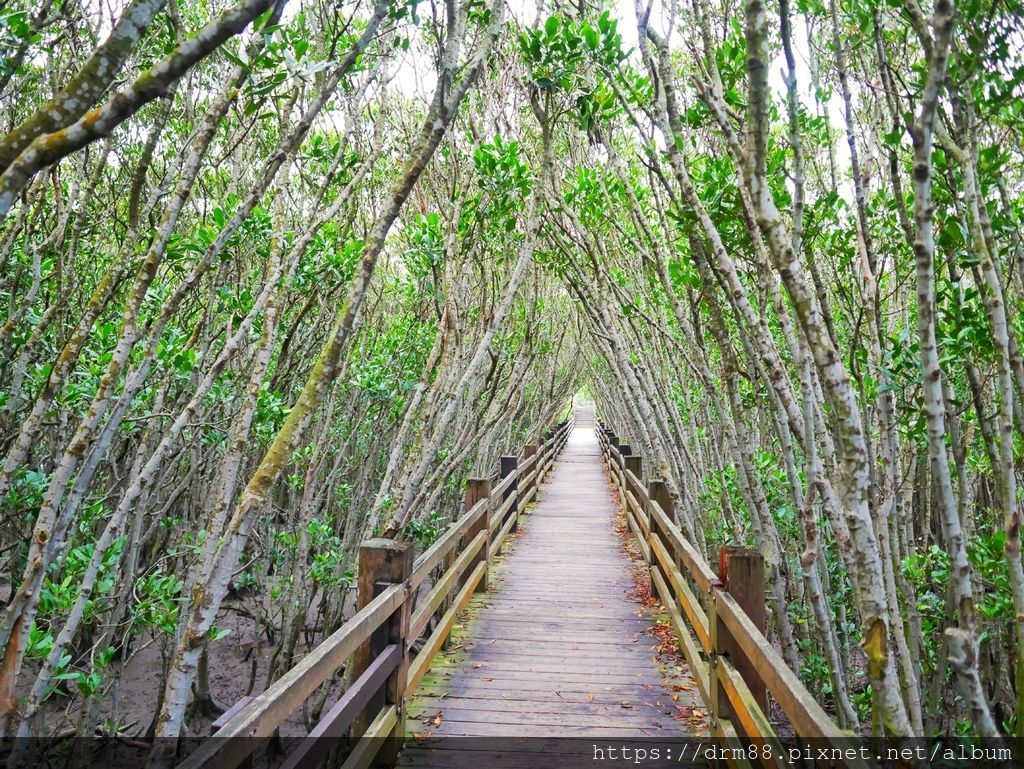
280	276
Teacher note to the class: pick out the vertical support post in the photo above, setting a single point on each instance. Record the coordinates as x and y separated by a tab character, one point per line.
510	465
657	492
530	450
548	451
718	701
741	571
477	489
634	464
624	451
382	563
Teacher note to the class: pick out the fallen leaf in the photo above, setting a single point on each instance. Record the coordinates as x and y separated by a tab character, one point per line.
437	719
590	696
488	679
477	665
626	706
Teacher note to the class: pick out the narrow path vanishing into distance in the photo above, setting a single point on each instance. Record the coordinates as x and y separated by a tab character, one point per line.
559	647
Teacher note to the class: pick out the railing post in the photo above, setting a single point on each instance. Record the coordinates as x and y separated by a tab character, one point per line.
477	489
635	464
382	563
657	492
612	442
741	572
530	450
624	451
548	450
510	465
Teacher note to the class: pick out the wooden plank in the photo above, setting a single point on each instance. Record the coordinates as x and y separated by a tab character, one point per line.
591	702
642	716
636	510
503	665
568	693
558	649
528	481
551	678
230	713
746	710
476	729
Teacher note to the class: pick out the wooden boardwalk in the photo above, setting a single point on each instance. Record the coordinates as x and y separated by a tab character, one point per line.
557	663
558	648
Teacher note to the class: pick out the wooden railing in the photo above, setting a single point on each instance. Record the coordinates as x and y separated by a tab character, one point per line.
391	617
718	619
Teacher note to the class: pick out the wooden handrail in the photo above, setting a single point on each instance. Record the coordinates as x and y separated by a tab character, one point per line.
701	609
433	555
464	552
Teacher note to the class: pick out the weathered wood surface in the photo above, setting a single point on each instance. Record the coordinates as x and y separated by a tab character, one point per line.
558	648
